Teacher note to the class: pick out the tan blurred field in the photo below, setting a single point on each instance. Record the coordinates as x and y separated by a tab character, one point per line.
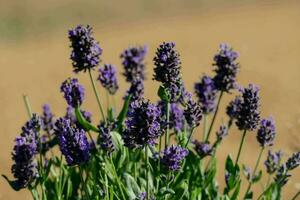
34	59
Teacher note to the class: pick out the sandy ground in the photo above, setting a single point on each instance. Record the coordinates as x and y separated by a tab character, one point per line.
266	36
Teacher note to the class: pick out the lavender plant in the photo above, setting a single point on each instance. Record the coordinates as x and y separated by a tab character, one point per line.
147	150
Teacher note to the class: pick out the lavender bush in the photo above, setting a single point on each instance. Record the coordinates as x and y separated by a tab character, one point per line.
147	150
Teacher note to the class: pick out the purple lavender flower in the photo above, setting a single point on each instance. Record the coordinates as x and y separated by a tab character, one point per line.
273	161
293	161
176	116
232	109
47	119
72	142
192	113
203	148
206	93
222	132
85	50
73	92
142	124
105	139
108	78
136	90
24	169
282	175
133	62
173	156
143	196
25	149
31	129
167	70
248	112
226	68
266	132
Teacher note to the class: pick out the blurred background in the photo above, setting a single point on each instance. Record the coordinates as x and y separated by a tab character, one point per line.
34	59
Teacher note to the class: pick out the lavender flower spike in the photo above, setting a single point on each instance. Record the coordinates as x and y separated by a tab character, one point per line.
136	90
293	161
26	147
73	92
206	93
226	68
25	168
173	156
273	161
233	108
192	113
203	148
72	142
266	132
176	116
85	50
142	124
222	132
108	78
167	70
105	139
47	119
248	112
133	62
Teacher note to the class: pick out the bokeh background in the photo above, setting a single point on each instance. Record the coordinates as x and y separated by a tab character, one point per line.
34	58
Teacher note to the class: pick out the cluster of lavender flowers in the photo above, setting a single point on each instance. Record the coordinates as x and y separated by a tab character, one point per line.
146	150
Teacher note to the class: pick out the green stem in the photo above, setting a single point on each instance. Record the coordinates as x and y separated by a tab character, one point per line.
83	182
268	181
118	180
34	193
60	178
91	138
240	148
107	101
204	126
147	169
190	137
96	94
114	103
106	187
27	105
214	117
255	169
296	195
167	136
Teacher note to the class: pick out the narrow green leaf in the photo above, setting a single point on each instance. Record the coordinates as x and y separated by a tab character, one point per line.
83	122
163	94
236	191
123	113
257	177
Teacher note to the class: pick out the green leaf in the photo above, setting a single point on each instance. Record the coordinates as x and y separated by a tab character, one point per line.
165	191
69	188
229	165
110	115
83	122
163	94
123	113
117	140
182	191
132	188
257	177
249	195
236	191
